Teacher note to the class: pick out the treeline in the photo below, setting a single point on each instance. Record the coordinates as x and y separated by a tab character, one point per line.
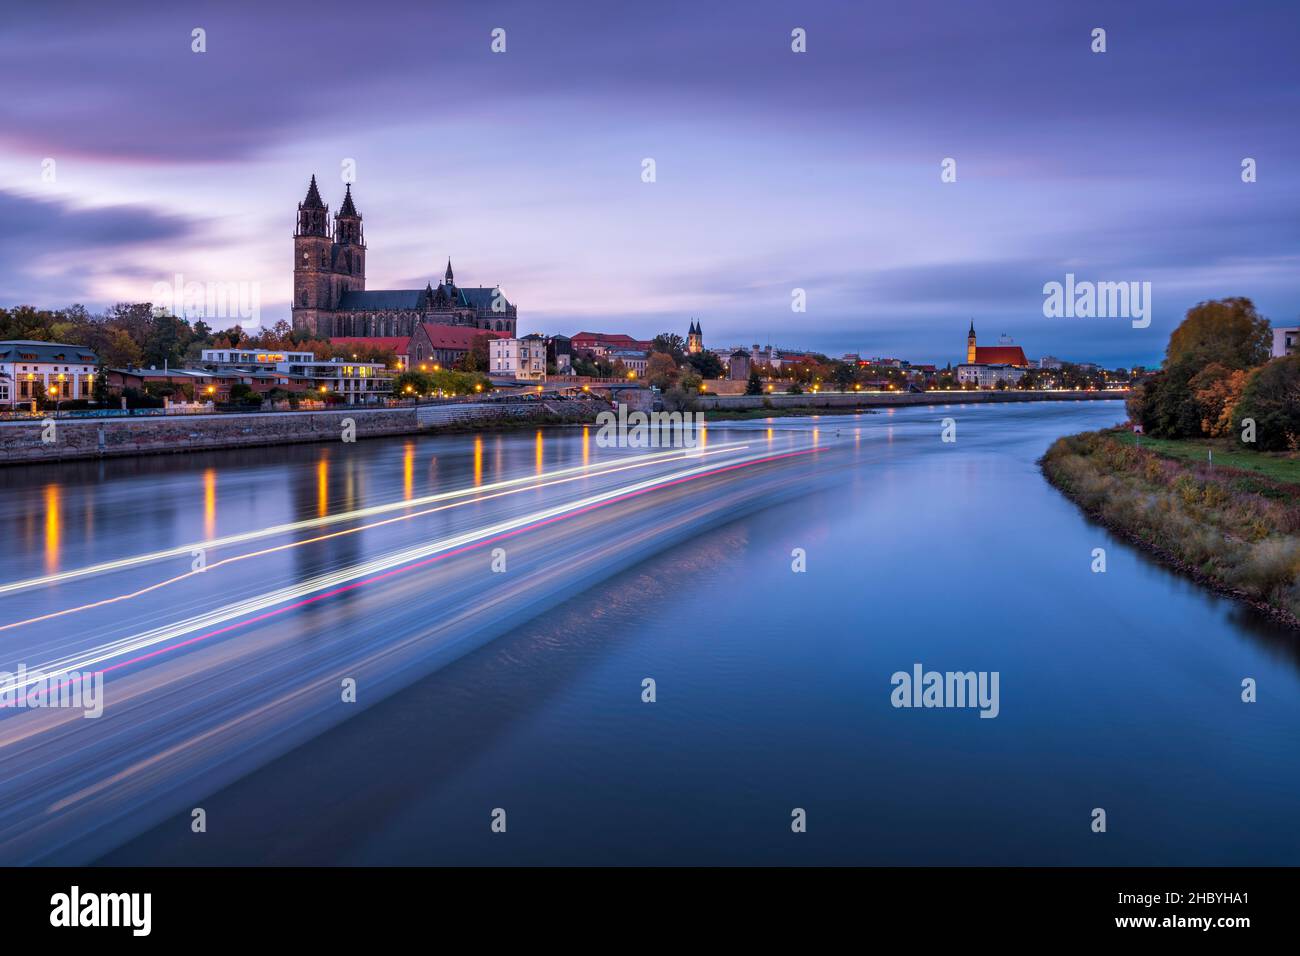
137	333
1217	381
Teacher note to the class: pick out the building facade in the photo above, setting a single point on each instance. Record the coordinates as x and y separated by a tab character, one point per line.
60	372
329	284
1286	341
524	359
988	376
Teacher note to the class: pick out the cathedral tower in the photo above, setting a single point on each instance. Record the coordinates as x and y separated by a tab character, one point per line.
970	344
349	251
312	247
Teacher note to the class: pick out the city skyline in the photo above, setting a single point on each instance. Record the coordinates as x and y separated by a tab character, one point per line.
775	170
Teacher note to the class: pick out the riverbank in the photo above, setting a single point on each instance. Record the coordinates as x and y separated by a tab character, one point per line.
852	400
791	411
1232	529
71	439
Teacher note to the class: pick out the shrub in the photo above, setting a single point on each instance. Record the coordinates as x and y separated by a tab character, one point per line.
1272	399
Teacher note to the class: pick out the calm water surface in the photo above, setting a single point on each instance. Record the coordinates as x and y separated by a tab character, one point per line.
1118	690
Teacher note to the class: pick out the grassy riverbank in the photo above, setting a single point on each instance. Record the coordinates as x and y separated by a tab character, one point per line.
1234	529
1226	453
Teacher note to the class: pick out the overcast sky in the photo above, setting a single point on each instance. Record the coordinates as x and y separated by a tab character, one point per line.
775	170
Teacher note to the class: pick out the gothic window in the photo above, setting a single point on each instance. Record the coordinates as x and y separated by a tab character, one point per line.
304	298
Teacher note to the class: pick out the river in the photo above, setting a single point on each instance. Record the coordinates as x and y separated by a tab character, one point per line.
509	686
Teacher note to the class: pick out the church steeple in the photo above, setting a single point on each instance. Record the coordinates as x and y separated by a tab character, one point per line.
694	338
312	213
970	344
448	280
347	222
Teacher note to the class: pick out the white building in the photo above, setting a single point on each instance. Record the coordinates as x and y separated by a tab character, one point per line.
1286	341
263	359
523	358
988	376
64	372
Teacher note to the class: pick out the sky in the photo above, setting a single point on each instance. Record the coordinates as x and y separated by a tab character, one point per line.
127	158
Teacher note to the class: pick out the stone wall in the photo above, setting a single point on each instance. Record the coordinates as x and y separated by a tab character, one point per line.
21	442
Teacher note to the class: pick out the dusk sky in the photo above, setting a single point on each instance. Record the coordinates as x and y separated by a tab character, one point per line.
775	170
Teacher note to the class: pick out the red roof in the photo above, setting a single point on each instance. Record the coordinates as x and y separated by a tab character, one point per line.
396	343
617	340
457	336
1000	355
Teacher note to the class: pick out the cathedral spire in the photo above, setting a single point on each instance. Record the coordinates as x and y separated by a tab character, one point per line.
313	200
312	214
348	208
447	279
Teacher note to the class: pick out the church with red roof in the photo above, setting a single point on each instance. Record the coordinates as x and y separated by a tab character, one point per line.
1012	355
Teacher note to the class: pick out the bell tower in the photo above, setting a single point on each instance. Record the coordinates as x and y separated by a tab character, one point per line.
312	286
970	344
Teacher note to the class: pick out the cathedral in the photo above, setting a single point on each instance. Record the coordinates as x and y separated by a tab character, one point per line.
329	284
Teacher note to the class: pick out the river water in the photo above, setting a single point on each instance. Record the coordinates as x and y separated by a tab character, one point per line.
1119	691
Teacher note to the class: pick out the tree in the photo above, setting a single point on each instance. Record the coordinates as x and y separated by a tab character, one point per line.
413	383
843	375
661	370
1190	395
670	343
1227	331
755	384
1216	390
1271	399
476	359
706	364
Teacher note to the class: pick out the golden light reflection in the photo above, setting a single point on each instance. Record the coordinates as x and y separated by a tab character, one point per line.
53	527
539	451
210	503
408	470
770	435
816	434
323	487
586	445
478	460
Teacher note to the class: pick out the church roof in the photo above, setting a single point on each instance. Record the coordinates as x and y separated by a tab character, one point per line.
480	297
381	300
382	342
456	336
313	200
1000	355
348	208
